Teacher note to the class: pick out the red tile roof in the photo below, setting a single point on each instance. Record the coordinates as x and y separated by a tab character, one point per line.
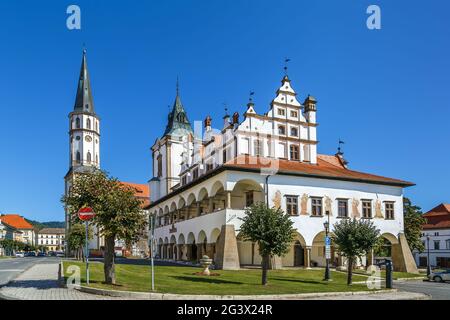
438	217
325	168
16	221
142	191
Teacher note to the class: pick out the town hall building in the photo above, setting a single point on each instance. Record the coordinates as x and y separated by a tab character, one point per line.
203	180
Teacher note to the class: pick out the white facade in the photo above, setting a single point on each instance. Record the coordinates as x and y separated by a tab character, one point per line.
438	246
52	240
268	158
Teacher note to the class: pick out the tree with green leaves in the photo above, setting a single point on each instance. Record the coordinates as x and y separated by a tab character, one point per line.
76	239
413	221
271	229
354	239
119	213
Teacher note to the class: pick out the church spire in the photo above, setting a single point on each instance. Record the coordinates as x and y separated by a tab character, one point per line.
84	102
178	123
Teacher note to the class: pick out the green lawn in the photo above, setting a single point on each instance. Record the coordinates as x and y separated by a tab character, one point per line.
181	280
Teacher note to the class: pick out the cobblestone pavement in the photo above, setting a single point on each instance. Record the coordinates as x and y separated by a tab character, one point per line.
40	282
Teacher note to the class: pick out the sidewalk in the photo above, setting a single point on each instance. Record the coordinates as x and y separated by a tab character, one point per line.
40	282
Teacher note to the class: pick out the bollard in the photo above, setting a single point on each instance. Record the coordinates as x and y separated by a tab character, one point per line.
388	274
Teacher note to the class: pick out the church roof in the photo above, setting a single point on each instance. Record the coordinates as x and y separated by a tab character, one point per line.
178	123
84	101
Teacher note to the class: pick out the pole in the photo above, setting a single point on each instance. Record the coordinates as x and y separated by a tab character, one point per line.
428	256
87	253
327	266
151	252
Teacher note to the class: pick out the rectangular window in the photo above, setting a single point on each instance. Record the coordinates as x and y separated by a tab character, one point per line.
281	130
437	245
209	167
367	209
294	132
342	208
249	199
258	148
294	114
295	155
224	155
447	244
184	180
292	205
389	210
195	173
281	112
159	166
316	206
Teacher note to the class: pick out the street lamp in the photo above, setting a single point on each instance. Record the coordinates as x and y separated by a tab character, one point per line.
428	256
326	224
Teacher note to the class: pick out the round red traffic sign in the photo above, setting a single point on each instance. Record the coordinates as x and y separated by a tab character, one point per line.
86	214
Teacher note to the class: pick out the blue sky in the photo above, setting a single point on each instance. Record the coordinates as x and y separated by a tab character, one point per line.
385	92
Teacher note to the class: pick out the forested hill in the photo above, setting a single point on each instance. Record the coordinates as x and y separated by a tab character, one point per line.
49	224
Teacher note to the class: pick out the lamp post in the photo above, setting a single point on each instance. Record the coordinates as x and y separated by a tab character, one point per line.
327	249
428	256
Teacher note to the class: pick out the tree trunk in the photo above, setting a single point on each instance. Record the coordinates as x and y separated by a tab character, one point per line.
350	271
265	267
109	267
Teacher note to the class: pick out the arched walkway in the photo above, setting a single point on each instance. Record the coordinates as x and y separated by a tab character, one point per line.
296	255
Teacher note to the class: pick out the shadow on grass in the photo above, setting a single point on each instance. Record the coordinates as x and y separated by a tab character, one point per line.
300	281
205	280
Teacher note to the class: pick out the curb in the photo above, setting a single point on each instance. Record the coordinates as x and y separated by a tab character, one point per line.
171	296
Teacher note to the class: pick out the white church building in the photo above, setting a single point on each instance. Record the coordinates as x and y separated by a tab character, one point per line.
204	179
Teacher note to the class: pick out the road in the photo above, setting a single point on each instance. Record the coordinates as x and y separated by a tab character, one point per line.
11	268
438	291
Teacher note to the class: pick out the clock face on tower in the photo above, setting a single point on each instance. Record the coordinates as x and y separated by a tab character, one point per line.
88	139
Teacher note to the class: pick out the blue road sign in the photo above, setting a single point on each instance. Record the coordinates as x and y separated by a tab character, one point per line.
327	241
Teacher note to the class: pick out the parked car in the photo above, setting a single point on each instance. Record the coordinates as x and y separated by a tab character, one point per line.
60	254
30	254
51	254
42	254
20	255
440	276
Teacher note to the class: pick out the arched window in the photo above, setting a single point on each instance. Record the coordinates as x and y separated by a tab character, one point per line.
78	157
89	157
96	158
96	125
78	123
88	124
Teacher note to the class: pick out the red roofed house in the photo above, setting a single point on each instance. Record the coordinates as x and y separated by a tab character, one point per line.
436	238
17	222
203	182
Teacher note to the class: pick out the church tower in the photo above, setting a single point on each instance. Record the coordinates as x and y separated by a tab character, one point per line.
84	132
170	150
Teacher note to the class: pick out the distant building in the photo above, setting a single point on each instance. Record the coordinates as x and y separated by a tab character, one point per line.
437	228
8	232
53	239
24	231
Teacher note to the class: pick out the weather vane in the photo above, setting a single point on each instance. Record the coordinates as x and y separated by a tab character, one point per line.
286	60
252	93
340	144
